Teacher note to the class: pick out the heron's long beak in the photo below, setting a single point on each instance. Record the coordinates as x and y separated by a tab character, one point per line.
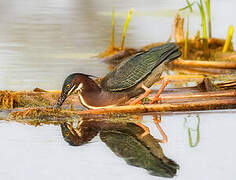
60	101
63	97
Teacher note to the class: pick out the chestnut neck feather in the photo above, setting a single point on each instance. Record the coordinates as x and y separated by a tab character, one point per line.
94	96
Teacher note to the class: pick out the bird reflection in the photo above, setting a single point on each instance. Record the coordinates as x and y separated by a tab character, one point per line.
125	140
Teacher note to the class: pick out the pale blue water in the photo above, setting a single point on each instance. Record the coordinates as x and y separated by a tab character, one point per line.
41	42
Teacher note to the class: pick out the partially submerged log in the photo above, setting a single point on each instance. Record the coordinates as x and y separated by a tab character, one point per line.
205	64
8	100
129	113
11	99
180	99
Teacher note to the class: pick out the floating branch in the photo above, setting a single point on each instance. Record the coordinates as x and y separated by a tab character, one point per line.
191	106
205	64
39	116
118	112
202	95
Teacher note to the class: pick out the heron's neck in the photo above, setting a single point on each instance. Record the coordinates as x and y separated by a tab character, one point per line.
93	97
90	86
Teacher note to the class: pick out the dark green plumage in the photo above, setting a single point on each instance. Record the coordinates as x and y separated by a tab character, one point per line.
132	71
137	153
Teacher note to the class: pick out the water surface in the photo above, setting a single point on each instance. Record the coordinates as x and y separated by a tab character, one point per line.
41	42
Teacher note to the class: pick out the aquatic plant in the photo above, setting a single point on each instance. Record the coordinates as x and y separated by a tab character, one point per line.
125	28
190	130
118	52
204	26
186	40
189	6
208	10
204	29
113	30
228	39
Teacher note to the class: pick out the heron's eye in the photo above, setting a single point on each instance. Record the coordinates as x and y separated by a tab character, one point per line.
68	86
67	133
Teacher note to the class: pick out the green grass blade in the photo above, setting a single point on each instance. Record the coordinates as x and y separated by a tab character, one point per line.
208	8
113	29
228	39
186	40
204	26
190	130
189	6
198	134
125	28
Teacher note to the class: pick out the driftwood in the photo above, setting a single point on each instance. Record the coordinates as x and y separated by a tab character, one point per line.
172	100
205	64
193	102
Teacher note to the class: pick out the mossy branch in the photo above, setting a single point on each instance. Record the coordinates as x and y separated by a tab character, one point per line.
205	64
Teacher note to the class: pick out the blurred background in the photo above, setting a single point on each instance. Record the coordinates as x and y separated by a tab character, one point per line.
41	42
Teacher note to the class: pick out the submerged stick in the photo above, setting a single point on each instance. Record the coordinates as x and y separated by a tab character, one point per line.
120	112
191	106
189	96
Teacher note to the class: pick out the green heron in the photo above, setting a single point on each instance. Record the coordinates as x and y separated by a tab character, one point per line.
129	79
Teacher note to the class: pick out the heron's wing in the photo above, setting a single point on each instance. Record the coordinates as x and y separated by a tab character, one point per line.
135	69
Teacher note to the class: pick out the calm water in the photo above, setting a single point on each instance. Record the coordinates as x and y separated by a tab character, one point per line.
41	42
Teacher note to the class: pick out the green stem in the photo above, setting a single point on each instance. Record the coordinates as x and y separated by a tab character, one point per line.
208	8
113	29
204	27
198	134
186	41
190	133
125	28
190	5
228	39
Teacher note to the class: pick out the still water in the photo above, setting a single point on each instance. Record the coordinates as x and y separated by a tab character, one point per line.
41	42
